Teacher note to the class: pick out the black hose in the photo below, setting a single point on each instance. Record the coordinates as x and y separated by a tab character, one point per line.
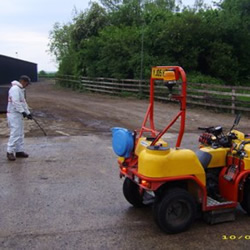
45	134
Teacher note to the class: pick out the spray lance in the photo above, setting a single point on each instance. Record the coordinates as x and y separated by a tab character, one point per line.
31	117
45	134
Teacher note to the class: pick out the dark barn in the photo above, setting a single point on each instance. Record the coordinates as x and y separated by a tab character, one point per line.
12	68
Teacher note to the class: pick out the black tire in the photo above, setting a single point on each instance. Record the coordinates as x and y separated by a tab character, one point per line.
155	208
245	204
176	211
132	194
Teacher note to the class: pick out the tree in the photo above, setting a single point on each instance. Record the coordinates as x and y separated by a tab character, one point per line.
124	38
88	24
235	18
59	37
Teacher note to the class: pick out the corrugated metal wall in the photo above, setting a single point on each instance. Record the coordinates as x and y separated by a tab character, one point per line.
12	68
3	98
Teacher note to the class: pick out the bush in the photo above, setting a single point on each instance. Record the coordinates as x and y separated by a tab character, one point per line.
196	77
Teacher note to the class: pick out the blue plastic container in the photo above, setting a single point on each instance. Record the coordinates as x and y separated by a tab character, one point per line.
122	141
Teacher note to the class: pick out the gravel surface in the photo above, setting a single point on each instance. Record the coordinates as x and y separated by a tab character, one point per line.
63	110
68	195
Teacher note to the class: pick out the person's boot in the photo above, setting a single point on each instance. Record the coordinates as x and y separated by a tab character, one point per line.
21	155
11	156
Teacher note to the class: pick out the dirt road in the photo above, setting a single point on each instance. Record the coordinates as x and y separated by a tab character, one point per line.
66	111
68	195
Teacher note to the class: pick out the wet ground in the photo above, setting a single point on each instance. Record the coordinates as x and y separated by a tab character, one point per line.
66	111
68	195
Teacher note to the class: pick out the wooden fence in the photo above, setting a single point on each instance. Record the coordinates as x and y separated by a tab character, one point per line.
229	98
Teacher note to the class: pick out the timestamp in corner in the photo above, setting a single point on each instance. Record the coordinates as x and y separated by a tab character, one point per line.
236	237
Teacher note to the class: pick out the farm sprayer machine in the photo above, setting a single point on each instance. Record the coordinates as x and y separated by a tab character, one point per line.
180	183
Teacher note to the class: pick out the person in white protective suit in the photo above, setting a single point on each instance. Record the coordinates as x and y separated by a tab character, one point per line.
17	109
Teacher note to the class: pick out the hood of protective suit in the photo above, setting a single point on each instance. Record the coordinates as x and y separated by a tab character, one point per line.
13	83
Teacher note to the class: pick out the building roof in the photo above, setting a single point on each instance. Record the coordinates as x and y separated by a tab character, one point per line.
13	58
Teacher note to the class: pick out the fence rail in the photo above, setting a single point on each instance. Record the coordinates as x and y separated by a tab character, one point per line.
230	98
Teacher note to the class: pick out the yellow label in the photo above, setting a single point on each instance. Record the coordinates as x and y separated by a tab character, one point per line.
158	73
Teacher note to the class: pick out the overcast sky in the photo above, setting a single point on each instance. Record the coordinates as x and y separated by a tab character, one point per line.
25	26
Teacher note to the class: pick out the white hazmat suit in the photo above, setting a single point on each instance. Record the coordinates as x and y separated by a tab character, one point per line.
16	106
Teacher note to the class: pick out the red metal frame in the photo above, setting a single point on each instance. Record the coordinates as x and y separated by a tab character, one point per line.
155	183
179	72
230	190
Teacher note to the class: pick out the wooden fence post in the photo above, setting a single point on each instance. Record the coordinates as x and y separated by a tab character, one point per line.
140	88
122	86
233	101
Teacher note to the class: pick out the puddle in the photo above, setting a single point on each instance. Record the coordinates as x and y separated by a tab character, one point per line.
45	114
94	124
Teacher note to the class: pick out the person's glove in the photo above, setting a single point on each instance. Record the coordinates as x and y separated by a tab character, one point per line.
29	116
24	114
